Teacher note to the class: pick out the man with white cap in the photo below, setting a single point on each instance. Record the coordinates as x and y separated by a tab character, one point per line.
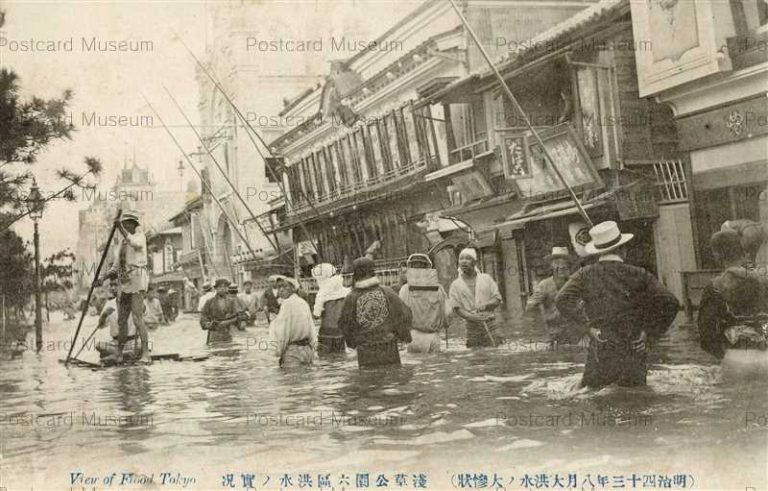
543	299
293	330
328	304
129	267
474	296
625	307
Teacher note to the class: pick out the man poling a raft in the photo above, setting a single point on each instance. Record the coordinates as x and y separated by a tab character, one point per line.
129	269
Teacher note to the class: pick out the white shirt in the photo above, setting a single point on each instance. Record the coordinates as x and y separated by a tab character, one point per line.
293	323
111	321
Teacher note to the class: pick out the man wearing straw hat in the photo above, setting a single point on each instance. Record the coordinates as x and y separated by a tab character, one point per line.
543	299
625	307
129	267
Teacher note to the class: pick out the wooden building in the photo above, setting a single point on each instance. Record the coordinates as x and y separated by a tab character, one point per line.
577	83
356	166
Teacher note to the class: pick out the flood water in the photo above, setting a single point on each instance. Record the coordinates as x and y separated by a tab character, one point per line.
504	413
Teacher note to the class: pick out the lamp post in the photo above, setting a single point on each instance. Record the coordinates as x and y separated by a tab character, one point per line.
35	205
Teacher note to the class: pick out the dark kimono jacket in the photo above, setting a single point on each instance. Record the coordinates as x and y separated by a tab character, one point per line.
735	292
373	319
621	300
214	310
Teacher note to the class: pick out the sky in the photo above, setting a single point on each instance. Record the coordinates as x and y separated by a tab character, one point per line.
108	84
47	44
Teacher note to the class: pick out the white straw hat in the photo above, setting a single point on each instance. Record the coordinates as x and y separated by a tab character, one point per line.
606	237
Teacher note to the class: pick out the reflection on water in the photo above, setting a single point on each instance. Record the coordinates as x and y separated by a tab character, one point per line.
514	409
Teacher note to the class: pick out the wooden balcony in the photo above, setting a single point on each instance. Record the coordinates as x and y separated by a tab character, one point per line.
370	185
468	152
388	276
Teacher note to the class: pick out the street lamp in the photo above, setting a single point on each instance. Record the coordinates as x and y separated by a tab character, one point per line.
35	204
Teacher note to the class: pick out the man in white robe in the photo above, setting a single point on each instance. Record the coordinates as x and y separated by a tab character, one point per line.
293	330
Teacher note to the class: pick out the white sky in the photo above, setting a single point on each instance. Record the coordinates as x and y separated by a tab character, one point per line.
111	83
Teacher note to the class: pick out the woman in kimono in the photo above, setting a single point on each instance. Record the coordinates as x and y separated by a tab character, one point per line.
328	304
474	297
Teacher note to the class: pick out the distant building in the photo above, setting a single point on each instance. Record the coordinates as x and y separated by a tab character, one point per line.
263	59
133	190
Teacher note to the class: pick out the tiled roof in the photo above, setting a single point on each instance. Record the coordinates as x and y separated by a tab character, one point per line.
557	35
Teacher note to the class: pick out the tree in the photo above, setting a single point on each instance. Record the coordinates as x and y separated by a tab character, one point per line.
56	274
16	270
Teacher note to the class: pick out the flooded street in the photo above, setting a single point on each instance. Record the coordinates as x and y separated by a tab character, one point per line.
509	411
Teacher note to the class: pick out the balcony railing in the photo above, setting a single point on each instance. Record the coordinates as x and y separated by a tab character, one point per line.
468	151
359	187
387	276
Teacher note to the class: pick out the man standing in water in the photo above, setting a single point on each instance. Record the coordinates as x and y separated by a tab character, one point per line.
625	307
293	330
251	301
129	267
220	313
475	296
543	300
374	318
425	297
269	300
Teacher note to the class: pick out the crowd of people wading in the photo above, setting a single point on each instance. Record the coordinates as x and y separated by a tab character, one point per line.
621	309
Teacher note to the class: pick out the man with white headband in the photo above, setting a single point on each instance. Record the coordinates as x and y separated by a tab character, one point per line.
293	330
474	296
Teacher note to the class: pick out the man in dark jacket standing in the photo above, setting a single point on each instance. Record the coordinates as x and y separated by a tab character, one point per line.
373	318
625	307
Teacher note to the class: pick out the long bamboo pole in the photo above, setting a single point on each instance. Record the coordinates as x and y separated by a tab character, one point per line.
223	172
251	134
93	285
522	112
203	181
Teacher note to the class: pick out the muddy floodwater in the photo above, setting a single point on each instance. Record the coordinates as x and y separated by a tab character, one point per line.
513	414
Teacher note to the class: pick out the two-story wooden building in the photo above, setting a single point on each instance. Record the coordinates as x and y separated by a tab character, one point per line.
577	83
356	166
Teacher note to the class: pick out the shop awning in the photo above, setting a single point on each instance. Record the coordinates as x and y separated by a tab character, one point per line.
631	202
173	276
543	213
